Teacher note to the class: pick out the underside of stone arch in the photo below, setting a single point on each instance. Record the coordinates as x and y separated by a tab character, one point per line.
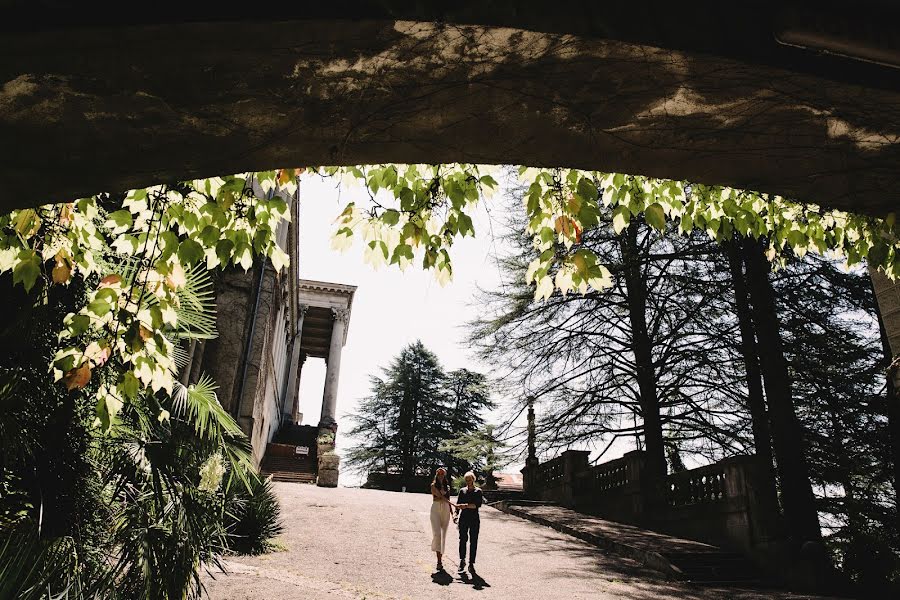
750	95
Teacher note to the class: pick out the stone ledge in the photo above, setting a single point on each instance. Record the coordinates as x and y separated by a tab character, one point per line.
560	520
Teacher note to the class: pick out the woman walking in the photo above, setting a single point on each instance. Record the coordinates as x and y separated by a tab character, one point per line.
469	501
441	508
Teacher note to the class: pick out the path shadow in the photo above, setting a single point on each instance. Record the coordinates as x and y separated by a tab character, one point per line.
441	578
476	581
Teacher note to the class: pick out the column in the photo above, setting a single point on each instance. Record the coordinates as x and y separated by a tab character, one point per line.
529	471
291	406
333	369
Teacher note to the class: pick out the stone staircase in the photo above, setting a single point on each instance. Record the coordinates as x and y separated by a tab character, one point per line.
285	468
281	460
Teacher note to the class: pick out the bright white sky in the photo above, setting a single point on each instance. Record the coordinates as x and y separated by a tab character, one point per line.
390	308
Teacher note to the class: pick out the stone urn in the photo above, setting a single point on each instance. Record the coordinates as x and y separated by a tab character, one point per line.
329	466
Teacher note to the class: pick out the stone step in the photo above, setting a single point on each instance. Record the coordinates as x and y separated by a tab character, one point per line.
288	477
289	463
289	469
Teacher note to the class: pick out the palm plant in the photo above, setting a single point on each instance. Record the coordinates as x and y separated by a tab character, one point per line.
169	496
252	517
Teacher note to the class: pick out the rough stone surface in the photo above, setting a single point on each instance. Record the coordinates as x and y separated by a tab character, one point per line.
888	294
327	477
223	355
354	544
652	88
329	461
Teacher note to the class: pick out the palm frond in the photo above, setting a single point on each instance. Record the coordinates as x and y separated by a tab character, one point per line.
35	568
179	354
199	405
197	310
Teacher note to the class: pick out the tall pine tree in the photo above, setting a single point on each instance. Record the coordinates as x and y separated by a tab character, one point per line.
414	408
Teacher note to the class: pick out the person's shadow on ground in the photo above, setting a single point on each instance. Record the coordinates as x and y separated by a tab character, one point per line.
475	580
442	578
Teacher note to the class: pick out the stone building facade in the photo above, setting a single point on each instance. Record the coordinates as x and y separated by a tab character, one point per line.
268	323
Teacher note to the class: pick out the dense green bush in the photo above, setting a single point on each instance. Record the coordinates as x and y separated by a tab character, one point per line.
252	518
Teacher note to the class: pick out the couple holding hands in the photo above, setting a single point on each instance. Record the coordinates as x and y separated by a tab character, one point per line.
466	508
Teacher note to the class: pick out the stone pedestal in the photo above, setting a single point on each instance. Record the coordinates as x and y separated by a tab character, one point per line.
529	472
329	468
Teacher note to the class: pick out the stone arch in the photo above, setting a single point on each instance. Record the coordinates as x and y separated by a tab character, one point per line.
704	93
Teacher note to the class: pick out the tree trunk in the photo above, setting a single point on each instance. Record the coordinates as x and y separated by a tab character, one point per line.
893	409
801	516
641	346
762	437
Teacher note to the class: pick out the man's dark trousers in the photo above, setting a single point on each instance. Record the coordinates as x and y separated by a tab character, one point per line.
468	528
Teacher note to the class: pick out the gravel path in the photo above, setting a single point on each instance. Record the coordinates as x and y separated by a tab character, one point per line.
366	544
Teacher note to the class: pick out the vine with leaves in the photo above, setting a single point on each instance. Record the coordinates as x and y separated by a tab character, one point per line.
137	254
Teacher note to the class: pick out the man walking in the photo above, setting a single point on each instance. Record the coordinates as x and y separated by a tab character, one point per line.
469	501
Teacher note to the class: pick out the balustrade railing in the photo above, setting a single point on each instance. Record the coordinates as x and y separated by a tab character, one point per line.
551	473
605	477
705	484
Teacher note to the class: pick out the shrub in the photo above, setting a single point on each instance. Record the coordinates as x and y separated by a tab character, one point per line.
253	518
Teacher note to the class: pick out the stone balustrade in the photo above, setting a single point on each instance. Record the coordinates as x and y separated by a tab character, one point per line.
696	486
716	503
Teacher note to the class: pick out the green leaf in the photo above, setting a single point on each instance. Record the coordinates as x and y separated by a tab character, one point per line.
28	269
121	218
655	216
390	217
488	181
278	205
209	236
465	225
402	251
189	252
108	407
224	249
79	324
169	241
407	199
586	189
796	238
130	385
621	216
99	307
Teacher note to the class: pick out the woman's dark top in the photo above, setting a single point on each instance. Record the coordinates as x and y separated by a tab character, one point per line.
467	496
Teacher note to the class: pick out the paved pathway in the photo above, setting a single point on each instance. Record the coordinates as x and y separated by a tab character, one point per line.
364	544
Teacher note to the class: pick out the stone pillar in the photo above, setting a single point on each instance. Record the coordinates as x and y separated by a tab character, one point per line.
333	369
291	406
634	485
575	462
759	523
